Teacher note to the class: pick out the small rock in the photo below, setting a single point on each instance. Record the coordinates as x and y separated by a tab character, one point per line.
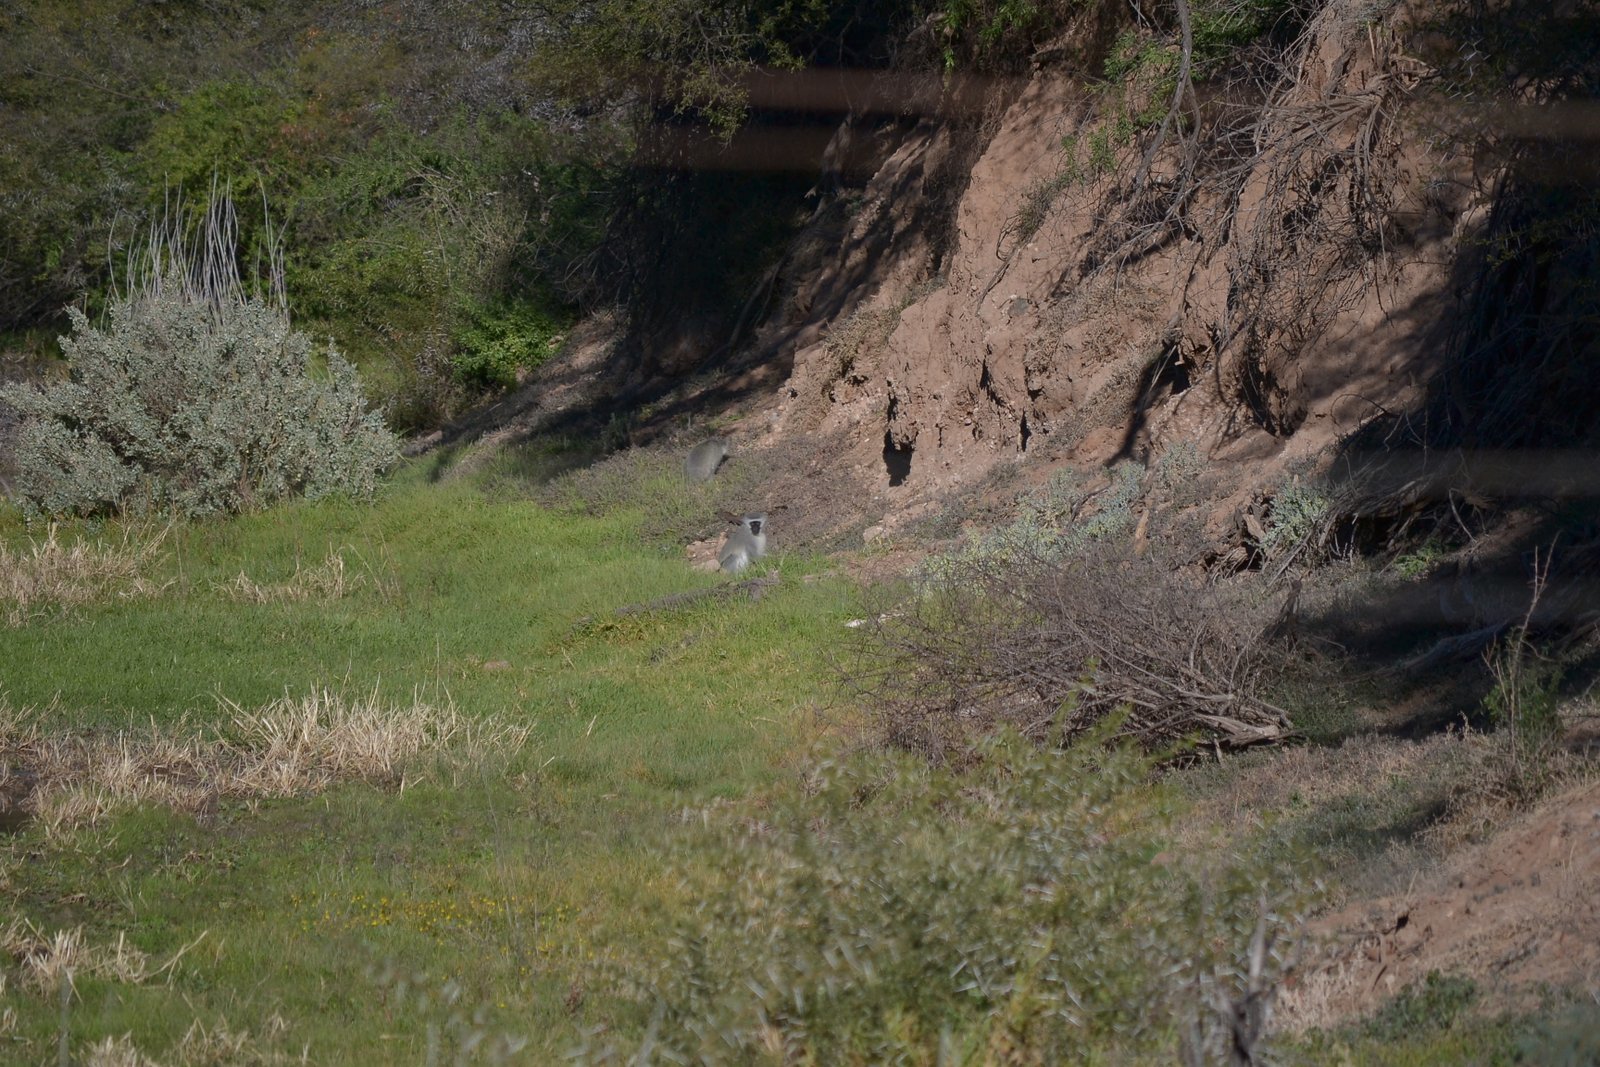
703	554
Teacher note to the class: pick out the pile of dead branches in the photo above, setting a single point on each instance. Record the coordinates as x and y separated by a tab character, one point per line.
1053	647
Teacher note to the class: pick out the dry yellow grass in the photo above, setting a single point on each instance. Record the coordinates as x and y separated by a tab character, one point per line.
332	579
290	747
46	961
117	1052
201	1045
49	574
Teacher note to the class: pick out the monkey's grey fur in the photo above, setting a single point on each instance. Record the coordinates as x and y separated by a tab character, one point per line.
704	459
746	543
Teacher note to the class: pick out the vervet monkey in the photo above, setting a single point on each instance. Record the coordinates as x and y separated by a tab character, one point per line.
746	543
704	459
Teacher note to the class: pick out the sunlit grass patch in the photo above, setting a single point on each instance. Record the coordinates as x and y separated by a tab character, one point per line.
451	912
437	581
50	573
290	747
254	819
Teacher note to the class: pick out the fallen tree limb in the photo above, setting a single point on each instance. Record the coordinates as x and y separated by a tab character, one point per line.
754	588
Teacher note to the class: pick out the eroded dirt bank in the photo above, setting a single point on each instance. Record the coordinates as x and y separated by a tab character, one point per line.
1516	913
1256	303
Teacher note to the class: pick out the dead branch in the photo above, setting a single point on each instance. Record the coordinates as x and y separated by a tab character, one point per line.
754	588
1054	647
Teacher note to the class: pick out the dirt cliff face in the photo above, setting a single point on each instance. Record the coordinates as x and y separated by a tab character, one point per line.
1256	290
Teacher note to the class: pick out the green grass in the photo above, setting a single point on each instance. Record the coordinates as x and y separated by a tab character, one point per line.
517	898
1444	1021
521	883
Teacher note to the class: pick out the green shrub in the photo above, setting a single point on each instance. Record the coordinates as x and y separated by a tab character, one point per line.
419	251
1569	1039
1061	518
1525	697
1433	1004
1524	704
196	407
503	338
1221	26
1178	472
1021	909
994	32
1296	515
1420	560
227	127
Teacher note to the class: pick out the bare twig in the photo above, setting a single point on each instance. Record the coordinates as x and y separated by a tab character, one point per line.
1063	645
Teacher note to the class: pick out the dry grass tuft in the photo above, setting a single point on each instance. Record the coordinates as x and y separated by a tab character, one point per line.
295	746
8	1014
200	1047
332	579
859	337
117	1052
50	574
45	962
291	747
1497	785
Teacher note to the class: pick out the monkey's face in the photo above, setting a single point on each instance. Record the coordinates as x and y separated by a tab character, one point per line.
754	526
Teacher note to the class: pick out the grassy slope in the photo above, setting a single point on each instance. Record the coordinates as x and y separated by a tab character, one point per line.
522	880
508	880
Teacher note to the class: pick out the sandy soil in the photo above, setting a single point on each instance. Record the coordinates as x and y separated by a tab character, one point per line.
1517	914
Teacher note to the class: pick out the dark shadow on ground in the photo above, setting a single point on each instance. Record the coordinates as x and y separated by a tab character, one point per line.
1490	486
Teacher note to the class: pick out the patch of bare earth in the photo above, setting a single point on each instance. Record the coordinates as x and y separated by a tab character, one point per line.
1517	914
